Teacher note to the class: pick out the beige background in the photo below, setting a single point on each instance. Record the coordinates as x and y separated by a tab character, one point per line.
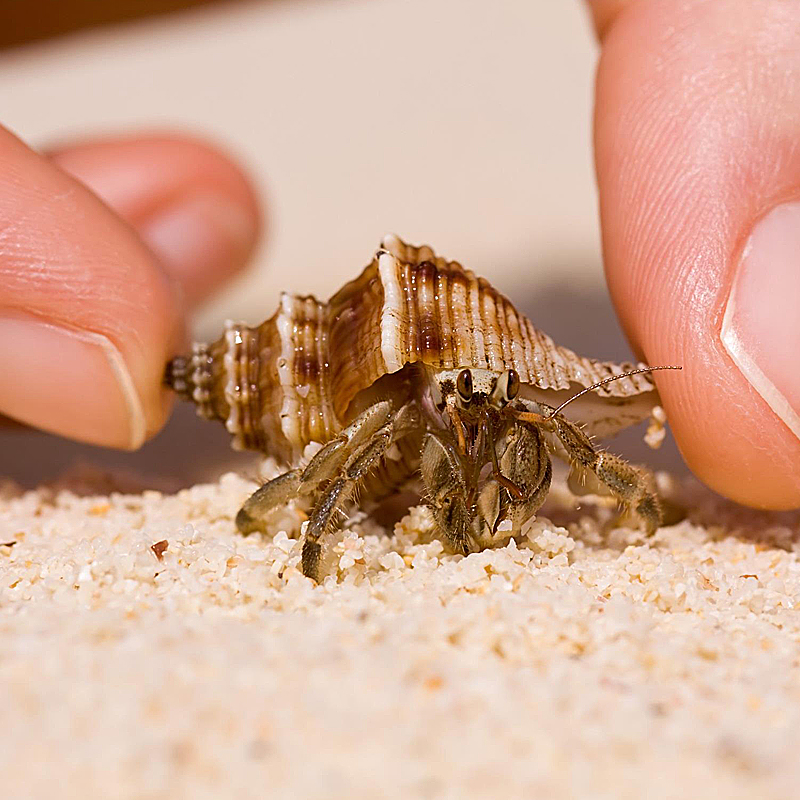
466	125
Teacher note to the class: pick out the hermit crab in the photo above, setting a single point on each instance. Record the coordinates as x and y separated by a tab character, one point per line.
416	369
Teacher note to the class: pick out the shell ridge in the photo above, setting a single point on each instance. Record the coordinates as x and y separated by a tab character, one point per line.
427	339
391	313
307	368
447	311
461	330
231	389
491	330
506	342
410	307
323	359
479	346
517	343
528	348
289	401
250	363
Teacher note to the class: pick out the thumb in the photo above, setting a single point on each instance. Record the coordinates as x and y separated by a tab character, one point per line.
697	136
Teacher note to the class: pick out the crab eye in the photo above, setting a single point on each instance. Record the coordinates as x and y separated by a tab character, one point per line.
512	384
464	385
506	388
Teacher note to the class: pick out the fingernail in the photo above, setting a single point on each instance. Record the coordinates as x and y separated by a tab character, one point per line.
201	239
761	325
68	381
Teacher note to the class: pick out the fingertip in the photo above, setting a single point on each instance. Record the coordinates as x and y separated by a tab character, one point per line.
686	167
87	317
187	199
728	440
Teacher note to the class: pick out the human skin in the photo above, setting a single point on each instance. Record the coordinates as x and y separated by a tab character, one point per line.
106	245
697	143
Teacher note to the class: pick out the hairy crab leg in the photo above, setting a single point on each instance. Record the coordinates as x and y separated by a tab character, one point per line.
253	514
449	490
335	497
632	486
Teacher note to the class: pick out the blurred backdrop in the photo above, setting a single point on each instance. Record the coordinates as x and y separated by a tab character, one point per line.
462	124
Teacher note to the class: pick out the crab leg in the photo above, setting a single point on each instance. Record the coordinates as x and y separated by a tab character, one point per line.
330	507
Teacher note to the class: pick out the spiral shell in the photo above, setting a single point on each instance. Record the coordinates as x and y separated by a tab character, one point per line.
293	379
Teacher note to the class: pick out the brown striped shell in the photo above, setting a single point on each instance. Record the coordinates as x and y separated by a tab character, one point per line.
292	380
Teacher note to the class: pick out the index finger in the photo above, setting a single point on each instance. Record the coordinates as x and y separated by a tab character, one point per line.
87	316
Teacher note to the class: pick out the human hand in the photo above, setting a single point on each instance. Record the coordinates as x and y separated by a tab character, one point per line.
697	137
93	292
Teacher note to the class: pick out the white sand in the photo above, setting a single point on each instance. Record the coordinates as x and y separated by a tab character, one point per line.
569	665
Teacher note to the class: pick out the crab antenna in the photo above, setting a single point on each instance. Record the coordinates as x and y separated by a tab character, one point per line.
603	383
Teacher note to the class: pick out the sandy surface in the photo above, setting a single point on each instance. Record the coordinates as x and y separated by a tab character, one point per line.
574	663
